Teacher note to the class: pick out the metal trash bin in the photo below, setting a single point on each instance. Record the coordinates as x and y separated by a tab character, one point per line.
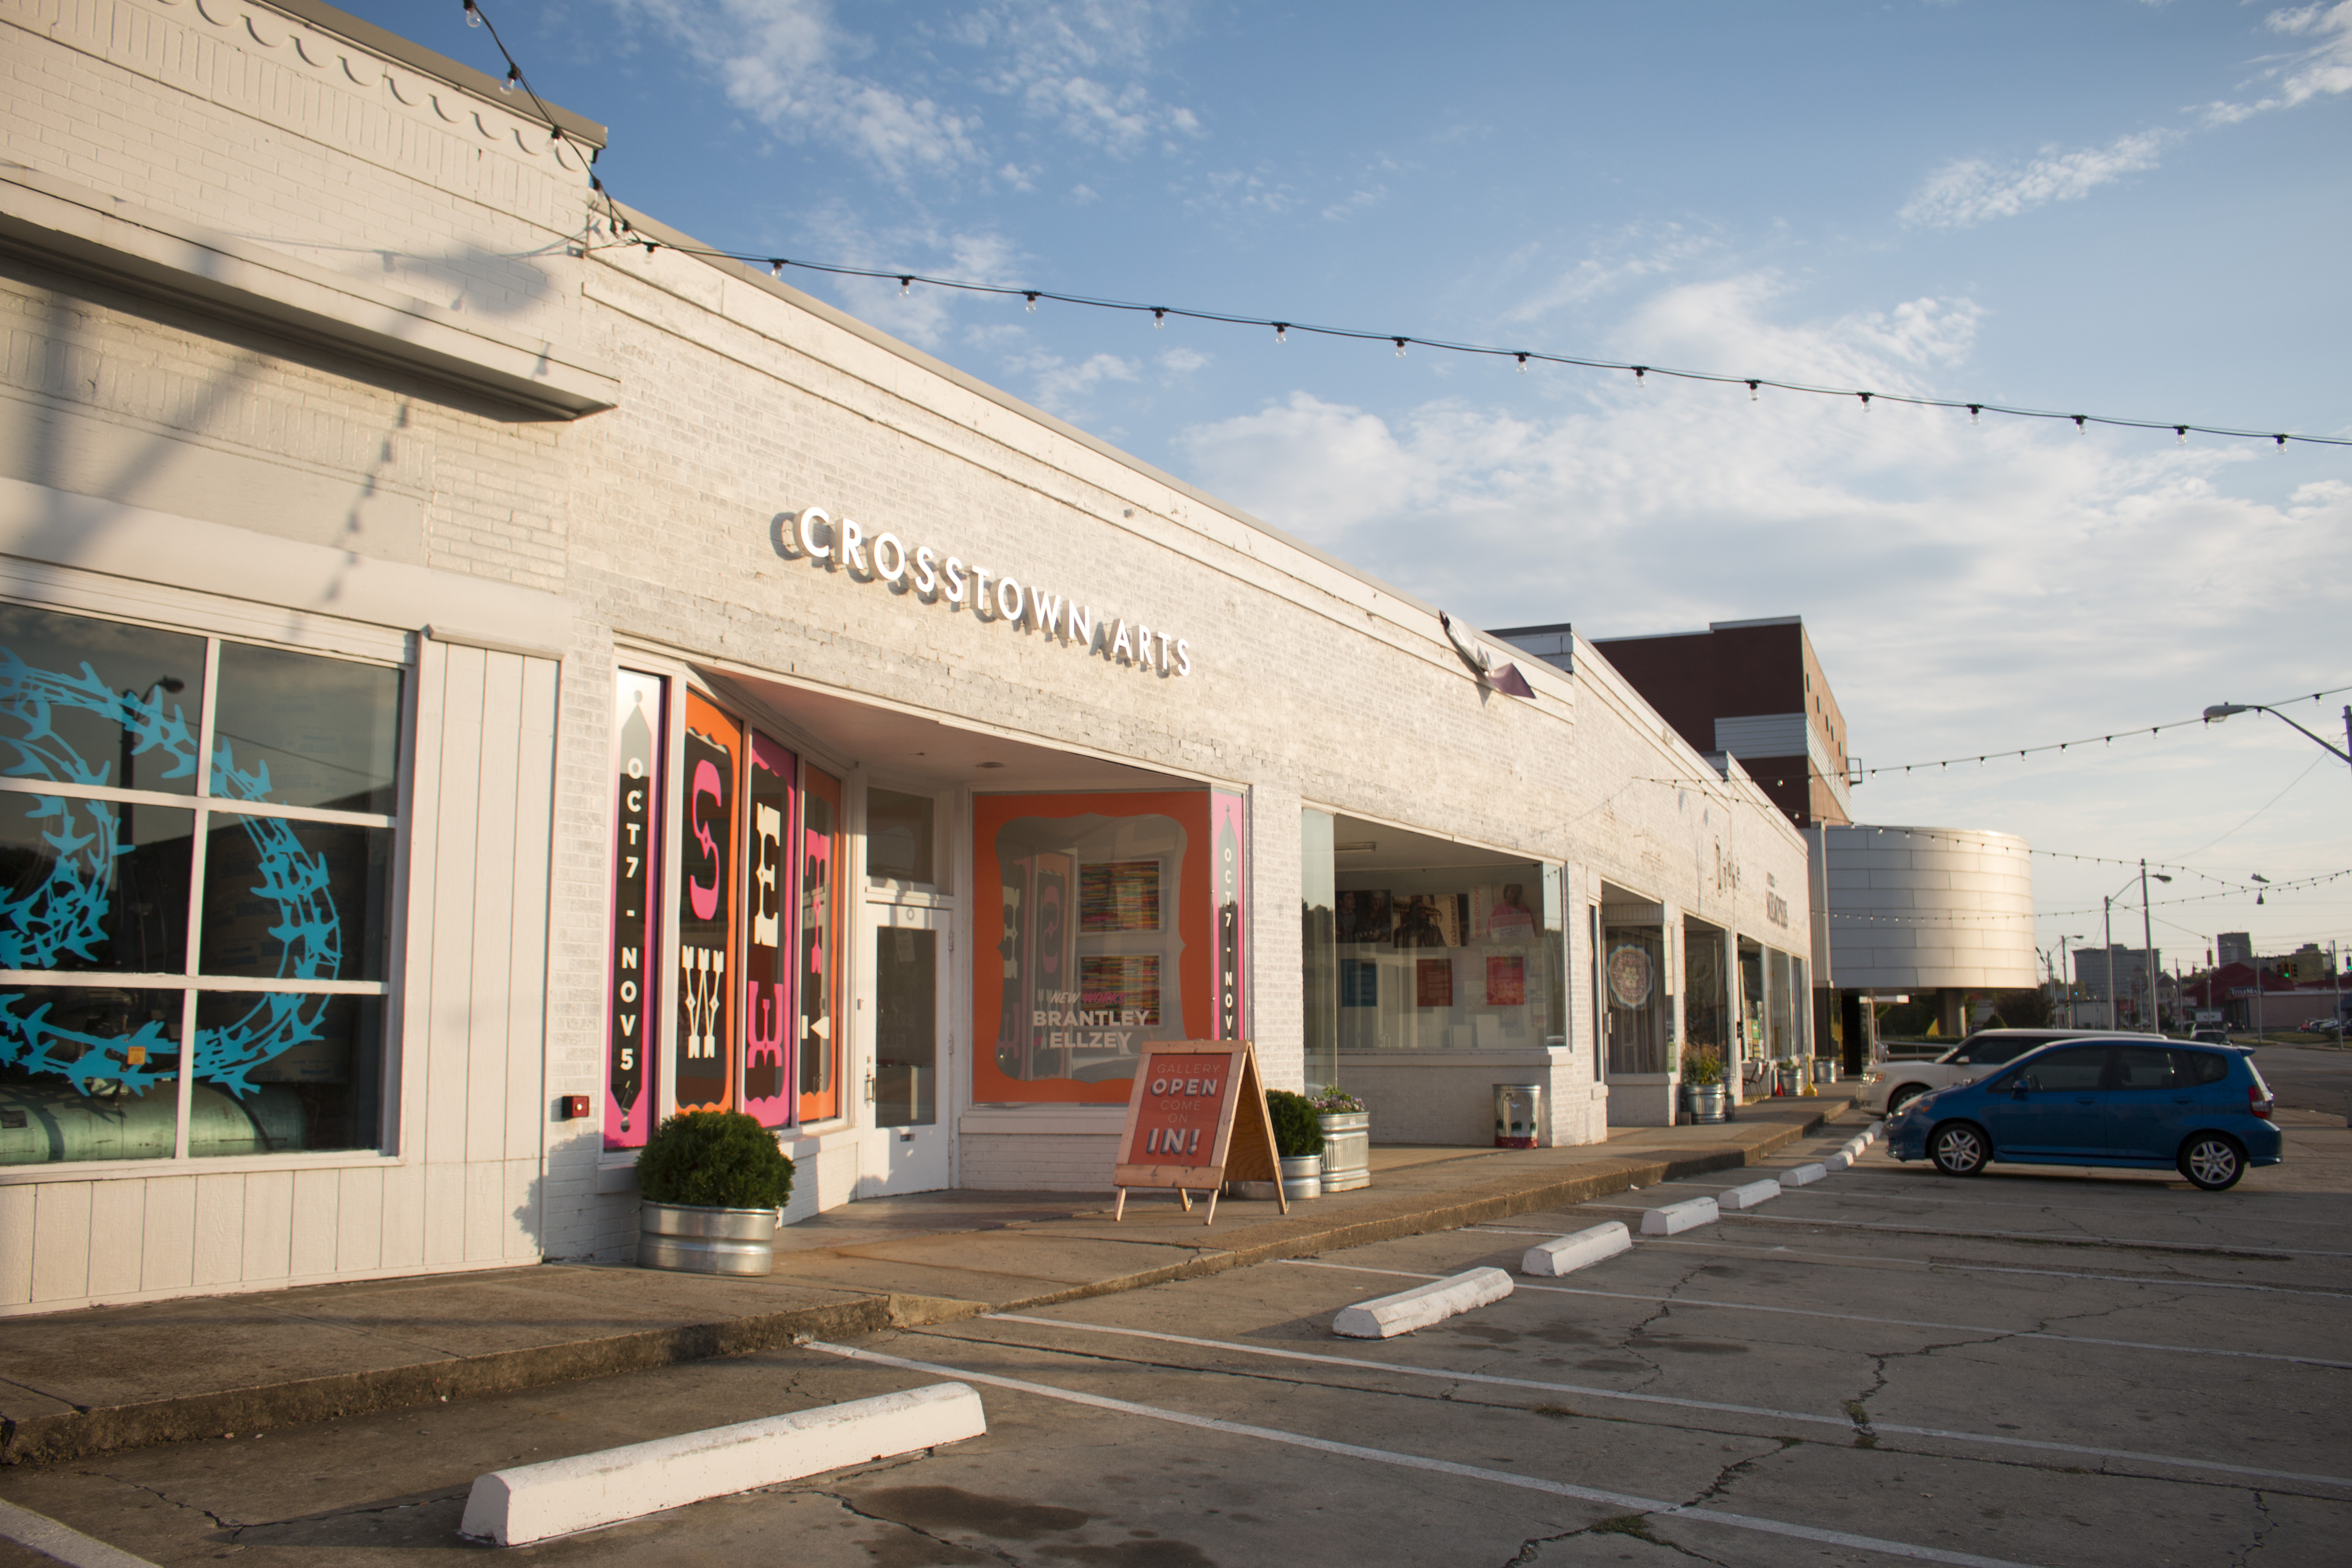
1791	1077
1518	1114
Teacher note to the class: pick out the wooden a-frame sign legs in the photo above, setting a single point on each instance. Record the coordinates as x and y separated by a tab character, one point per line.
1197	1118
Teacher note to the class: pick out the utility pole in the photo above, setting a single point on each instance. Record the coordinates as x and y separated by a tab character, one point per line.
2108	935
2148	939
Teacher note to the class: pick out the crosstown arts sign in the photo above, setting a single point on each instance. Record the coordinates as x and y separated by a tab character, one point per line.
814	536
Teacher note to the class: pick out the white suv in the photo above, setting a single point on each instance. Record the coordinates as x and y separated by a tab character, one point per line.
1890	1085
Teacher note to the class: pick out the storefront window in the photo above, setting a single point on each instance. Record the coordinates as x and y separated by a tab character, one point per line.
1318	946
1707	992
1641	1009
286	839
1115	923
1780	1030
1457	957
899	834
819	972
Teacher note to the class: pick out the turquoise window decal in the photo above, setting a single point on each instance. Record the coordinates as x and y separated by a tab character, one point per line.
127	905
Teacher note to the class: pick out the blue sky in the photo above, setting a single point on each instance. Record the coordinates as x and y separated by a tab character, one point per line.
2127	208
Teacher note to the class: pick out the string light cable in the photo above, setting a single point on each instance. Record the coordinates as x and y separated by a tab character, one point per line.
622	234
2006	752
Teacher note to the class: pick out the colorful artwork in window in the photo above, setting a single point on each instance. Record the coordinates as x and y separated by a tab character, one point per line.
632	997
818	972
768	909
710	778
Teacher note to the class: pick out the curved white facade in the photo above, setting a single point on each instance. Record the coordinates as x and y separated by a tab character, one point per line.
1915	909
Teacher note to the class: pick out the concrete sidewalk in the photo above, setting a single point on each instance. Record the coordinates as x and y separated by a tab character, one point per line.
81	1382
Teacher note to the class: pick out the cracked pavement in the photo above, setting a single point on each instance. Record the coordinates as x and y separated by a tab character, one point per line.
2165	1385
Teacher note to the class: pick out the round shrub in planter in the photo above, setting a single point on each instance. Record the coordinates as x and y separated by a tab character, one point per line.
1298	1142
711	1185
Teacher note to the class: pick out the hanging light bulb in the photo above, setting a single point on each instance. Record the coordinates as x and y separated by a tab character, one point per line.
1523	365
1865	401
514	79
776	267
2281	444
905	285
1641	371
1282	332
1399	343
473	17
1031	295
2078	423
1976	411
1158	318
1752	386
2182	432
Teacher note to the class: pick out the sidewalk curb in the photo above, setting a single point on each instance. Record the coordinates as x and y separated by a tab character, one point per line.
80	1433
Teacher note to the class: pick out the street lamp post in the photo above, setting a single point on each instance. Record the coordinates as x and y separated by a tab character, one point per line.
2221	711
2070	975
2147	939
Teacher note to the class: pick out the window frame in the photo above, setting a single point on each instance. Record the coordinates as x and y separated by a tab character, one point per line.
215	625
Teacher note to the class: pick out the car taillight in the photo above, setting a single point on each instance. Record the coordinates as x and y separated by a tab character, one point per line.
2256	1101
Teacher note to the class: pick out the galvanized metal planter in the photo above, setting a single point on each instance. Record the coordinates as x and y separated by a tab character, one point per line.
691	1240
1347	1150
1302	1176
1706	1102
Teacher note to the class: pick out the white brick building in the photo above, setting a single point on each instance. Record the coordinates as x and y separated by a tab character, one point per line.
451	664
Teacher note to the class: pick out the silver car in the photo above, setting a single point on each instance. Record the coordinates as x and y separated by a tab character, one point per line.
1890	1085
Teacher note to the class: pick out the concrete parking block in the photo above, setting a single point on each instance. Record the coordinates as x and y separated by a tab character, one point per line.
1803	1176
536	1502
1569	1253
1671	1219
1389	1316
1747	1196
1841	1160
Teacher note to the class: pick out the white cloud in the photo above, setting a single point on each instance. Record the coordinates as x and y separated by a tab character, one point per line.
1359	201
1182	362
1631	256
922	315
778	61
1970	191
1081	64
1956	576
1066	389
2323	69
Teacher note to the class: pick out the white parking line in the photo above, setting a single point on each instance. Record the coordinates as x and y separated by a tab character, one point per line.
1989	1268
1843	1422
1853	1318
1626	1501
2076	1239
1855	1189
47	1537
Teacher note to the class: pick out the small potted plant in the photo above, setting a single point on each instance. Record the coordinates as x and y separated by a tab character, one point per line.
1347	1124
711	1186
1298	1142
1705	1095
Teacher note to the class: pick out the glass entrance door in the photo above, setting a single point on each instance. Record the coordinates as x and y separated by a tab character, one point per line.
911	1049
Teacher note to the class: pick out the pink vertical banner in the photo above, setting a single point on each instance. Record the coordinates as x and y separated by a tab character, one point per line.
635	945
768	908
1229	904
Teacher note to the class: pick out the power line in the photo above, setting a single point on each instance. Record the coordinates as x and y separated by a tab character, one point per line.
2006	752
623	234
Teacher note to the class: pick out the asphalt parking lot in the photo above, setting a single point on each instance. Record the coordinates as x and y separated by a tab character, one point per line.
2035	1367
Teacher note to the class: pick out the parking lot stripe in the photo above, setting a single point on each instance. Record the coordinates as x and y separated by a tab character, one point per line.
1626	1501
1994	1269
1855	1192
1844	1424
1853	1318
2215	1248
50	1539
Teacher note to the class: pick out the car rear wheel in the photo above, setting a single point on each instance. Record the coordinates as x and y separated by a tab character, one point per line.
1903	1097
2214	1161
1960	1149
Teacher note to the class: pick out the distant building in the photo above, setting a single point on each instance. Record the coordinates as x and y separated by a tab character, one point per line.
2129	967
1897	912
2234	947
2306	963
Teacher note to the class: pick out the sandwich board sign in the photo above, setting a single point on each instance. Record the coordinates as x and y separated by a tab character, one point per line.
1196	1118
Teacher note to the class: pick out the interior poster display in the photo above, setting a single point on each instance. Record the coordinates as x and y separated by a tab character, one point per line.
768	1028
711	768
636	942
1229	830
1196	1119
1099	912
817	866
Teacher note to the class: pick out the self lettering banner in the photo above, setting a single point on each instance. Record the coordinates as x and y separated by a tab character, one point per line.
711	765
1196	1118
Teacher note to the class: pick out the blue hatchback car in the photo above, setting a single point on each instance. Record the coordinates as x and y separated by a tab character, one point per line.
2140	1103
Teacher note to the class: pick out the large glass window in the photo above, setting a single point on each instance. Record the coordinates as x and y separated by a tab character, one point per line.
1434	951
1641	1003
184	897
1706	991
1320	946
